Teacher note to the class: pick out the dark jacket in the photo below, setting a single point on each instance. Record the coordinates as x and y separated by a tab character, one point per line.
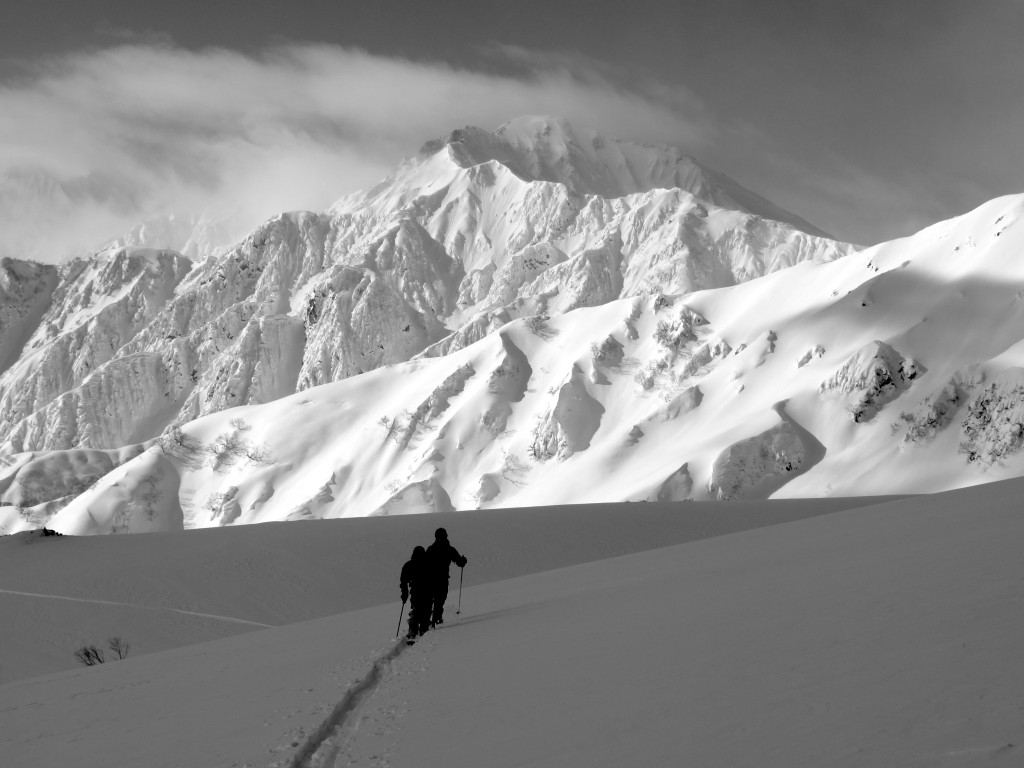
440	555
416	575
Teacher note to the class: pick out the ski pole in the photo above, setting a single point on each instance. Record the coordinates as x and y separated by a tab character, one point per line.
462	572
400	615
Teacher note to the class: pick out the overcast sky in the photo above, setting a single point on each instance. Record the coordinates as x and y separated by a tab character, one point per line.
869	118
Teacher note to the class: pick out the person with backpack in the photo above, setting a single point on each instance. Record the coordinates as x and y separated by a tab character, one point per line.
416	582
440	555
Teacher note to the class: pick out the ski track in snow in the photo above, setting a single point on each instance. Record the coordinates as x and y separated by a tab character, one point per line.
324	746
135	605
953	757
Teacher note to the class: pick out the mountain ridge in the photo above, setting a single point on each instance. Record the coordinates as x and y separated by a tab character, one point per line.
394	271
898	369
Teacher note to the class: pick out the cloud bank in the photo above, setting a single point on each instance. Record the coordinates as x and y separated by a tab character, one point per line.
94	142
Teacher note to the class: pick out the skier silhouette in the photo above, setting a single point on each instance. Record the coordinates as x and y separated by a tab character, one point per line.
440	555
417	583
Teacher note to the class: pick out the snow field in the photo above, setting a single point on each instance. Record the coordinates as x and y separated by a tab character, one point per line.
279	573
879	635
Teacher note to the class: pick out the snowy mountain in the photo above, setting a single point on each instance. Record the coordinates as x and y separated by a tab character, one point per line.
893	370
442	253
533	220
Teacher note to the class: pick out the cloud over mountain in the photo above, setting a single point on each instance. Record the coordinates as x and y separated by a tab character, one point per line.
93	142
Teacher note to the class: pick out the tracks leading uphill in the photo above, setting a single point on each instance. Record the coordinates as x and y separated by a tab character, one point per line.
321	748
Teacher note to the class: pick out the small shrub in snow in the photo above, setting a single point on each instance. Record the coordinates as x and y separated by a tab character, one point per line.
674	335
91	655
230	449
645	378
119	647
538	326
182	447
648	375
993	427
513	468
932	415
389	426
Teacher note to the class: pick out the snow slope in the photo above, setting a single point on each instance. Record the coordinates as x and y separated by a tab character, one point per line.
169	589
881	635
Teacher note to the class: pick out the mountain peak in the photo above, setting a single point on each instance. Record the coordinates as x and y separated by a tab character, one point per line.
546	148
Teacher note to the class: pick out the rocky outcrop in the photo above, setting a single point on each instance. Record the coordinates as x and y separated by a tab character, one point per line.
426	495
677	487
683	403
26	291
98	307
570	425
744	465
506	385
872	377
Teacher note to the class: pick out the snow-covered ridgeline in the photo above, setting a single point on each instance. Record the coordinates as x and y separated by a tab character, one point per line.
897	369
454	245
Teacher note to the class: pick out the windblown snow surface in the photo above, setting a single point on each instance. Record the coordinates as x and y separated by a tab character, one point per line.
885	634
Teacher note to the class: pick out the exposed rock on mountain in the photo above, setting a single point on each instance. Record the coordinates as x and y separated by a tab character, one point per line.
26	290
571	424
77	381
677	487
875	375
753	460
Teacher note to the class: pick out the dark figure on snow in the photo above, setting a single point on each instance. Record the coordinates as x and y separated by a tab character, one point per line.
440	555
417	583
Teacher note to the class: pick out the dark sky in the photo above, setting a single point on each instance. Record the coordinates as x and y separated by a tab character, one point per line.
869	118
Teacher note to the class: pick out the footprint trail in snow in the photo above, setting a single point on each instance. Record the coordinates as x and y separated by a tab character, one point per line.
357	730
